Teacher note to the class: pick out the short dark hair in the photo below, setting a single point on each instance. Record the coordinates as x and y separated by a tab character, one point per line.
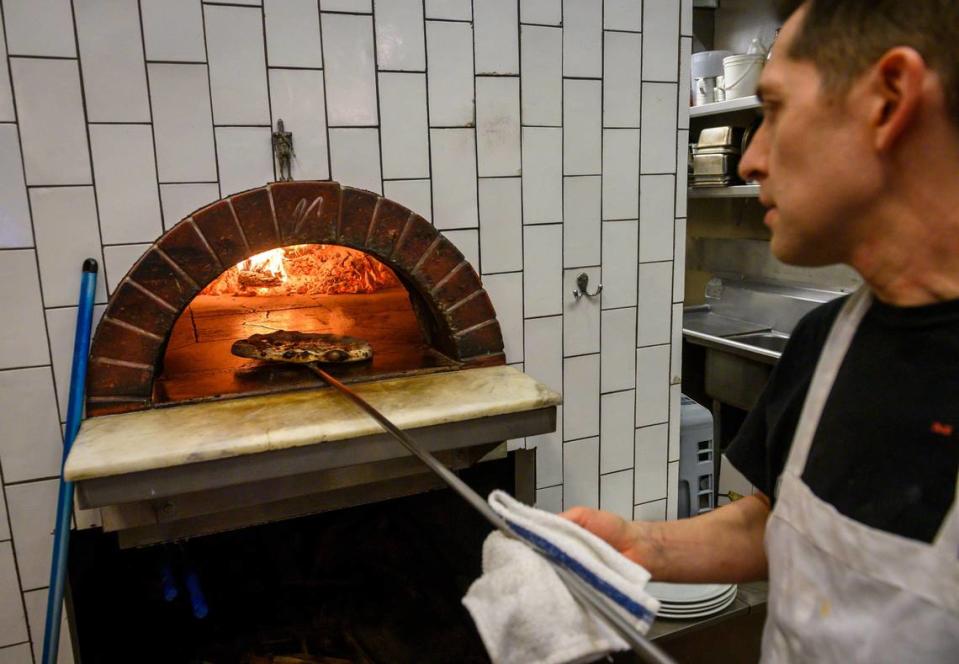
844	37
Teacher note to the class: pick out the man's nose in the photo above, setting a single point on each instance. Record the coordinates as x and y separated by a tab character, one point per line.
753	165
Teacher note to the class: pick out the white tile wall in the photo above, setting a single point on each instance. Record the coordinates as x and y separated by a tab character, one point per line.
61	326
117	261
400	42
581	396
582	127
654	317
550	499
449	52
297	97
652	385
467	241
25	342
582	237
616	432
350	70
13	624
622	85
173	30
244	158
620	173
454	10
127	194
506	293
542	175
111	54
656	232
414	194
583	38
620	251
672	497
497	126
542	266
650	470
31	446
405	126
544	12
4	523
616	493
61	254
580	316
234	42
7	113
14	210
501	224
580	479
660	47
454	176
36	602
293	33
355	158
618	349
542	80
651	511
497	37
675	404
33	511
179	200
544	351
381	95
39	27
623	15
182	122
658	124
50	111
549	454
358	6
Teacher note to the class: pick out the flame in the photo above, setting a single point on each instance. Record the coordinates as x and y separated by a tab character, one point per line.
304	269
268	263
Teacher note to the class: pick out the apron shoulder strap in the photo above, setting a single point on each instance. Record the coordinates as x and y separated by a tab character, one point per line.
830	360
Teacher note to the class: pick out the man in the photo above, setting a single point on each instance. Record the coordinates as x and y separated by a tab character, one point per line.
854	446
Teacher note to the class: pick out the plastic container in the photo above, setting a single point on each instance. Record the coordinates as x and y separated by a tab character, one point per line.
741	74
708	64
696	491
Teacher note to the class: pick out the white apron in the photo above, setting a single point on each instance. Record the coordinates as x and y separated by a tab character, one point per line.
840	591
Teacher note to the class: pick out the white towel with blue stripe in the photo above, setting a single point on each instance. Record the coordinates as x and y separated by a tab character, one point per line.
523	610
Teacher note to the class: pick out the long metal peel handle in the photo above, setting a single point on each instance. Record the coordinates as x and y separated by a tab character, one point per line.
583	592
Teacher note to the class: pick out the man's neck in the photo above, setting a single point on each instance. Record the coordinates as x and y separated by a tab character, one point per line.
910	257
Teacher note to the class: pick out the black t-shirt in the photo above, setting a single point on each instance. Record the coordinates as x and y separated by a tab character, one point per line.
886	452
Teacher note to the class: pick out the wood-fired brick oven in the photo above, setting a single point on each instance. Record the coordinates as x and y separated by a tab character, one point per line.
184	438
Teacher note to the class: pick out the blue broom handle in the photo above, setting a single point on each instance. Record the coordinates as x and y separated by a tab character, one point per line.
61	540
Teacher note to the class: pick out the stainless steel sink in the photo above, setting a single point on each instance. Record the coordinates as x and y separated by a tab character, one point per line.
774	341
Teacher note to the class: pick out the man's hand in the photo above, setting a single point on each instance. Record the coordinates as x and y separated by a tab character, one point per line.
722	546
633	539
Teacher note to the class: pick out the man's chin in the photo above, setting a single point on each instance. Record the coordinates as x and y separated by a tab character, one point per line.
793	251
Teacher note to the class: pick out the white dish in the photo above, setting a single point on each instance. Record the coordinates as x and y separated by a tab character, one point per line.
701	614
697	608
687	593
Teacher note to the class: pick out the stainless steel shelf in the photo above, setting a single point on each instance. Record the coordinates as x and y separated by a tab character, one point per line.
738	191
722	107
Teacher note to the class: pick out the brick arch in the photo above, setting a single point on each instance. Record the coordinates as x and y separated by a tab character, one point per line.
130	341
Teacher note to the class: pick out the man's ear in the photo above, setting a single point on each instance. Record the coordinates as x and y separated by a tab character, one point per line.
897	82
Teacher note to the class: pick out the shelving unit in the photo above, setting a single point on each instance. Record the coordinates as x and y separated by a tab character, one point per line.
737	191
723	107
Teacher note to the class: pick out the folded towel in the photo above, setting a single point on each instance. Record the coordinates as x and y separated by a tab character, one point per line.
523	610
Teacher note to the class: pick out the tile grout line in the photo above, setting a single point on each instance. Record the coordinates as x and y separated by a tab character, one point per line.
209	84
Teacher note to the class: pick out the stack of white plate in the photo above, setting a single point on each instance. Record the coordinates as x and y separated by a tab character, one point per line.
686	601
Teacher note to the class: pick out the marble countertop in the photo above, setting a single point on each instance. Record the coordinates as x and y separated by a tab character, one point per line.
167	437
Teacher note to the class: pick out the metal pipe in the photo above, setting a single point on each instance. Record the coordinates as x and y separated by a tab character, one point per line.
580	590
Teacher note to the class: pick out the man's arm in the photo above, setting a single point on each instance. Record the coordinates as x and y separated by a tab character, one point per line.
725	545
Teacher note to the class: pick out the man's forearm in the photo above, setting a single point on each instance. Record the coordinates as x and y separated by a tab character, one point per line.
725	545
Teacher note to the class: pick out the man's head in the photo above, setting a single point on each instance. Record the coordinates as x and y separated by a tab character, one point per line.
851	96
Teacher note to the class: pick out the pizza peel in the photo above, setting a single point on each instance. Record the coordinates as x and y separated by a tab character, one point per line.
313	350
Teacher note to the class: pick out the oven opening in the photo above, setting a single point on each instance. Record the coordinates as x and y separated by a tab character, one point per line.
308	288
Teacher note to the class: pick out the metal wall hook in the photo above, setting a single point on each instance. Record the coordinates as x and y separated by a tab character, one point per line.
582	283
